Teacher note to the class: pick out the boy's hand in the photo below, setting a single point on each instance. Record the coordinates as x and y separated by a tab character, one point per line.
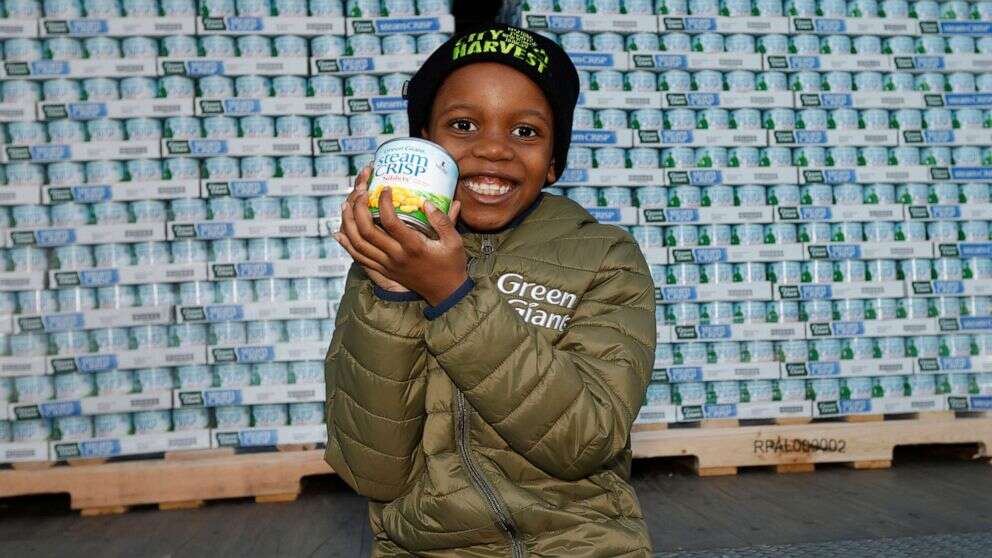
398	255
361	185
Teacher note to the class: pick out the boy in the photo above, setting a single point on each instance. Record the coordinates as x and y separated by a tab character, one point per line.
481	387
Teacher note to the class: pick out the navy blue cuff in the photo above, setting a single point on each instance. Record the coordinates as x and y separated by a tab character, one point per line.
391	296
432	312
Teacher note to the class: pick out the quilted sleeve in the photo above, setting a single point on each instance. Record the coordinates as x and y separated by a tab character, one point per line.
375	374
566	406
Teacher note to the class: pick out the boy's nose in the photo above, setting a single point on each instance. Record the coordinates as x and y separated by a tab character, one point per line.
492	147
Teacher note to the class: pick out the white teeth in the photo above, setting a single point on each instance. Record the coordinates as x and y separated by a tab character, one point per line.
485	188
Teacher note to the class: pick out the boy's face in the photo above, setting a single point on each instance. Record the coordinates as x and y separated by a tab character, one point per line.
498	126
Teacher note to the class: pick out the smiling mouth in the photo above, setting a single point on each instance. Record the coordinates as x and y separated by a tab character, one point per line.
487	185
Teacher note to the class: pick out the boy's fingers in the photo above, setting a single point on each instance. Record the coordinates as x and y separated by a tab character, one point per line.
362	180
357	256
443	226
392	223
351	196
454	211
358	241
372	233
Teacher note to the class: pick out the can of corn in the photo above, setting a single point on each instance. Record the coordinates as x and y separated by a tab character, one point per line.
416	171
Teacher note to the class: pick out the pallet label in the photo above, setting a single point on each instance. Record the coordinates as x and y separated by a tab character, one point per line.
693	412
88	364
929	365
948	288
973	323
835	176
225	355
835	252
970	403
974	249
806	292
696	178
957	403
799	445
228	439
700	255
238	188
655	215
981	403
676	294
948	324
855	406
82	194
191	398
49	409
27	412
64	322
789	292
827	407
605	214
810	213
102	448
245	354
677	374
592	60
716	411
246	270
945	364
221	397
67	451
93	448
824	369
247	438
715	332
258	438
948	250
839	329
685	332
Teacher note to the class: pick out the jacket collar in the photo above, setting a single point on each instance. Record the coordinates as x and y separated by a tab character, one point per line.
464	229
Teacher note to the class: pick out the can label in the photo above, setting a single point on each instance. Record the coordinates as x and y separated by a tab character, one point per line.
416	171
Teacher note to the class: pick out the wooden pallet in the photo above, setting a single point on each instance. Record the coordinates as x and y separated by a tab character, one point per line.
187	480
861	442
181	480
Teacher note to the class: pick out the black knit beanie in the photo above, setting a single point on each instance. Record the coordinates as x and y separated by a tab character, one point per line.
537	57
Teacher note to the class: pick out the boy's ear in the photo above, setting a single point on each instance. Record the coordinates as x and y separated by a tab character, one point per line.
551	177
425	134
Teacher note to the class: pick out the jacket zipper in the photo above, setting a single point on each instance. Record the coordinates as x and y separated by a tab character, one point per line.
486	250
480	482
462	441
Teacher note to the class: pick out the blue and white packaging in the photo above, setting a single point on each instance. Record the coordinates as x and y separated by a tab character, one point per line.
192	418
193	377
232	375
152	422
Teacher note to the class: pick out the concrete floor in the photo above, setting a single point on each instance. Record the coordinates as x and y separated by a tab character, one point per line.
687	515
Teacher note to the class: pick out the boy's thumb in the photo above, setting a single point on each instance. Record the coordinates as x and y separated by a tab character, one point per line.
441	223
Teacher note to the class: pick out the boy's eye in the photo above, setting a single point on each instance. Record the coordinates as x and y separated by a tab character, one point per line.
463	125
524	132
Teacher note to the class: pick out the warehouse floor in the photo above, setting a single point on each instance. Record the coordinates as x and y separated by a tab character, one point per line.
924	506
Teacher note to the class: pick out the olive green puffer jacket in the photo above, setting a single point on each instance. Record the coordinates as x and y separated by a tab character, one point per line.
502	426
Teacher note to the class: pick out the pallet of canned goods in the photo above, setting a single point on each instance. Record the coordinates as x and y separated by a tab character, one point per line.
398	32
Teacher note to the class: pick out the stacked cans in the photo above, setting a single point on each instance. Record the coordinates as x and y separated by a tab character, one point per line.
132	200
921	276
